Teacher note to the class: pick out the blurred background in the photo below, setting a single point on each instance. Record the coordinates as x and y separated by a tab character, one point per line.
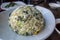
30	1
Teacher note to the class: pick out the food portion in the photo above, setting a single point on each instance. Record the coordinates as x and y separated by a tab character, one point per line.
11	4
26	20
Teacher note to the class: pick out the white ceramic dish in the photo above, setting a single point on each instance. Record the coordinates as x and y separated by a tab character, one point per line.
7	34
19	3
54	5
57	21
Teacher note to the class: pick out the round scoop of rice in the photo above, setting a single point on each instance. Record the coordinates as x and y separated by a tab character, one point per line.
26	20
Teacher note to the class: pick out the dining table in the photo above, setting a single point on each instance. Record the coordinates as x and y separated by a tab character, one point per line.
56	12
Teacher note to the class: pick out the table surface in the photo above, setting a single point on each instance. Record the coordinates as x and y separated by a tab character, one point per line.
56	12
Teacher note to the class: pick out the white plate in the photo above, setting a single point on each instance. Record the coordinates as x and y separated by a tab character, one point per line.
54	5
7	34
19	3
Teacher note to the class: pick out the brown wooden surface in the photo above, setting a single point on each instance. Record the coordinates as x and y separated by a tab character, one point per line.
56	12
